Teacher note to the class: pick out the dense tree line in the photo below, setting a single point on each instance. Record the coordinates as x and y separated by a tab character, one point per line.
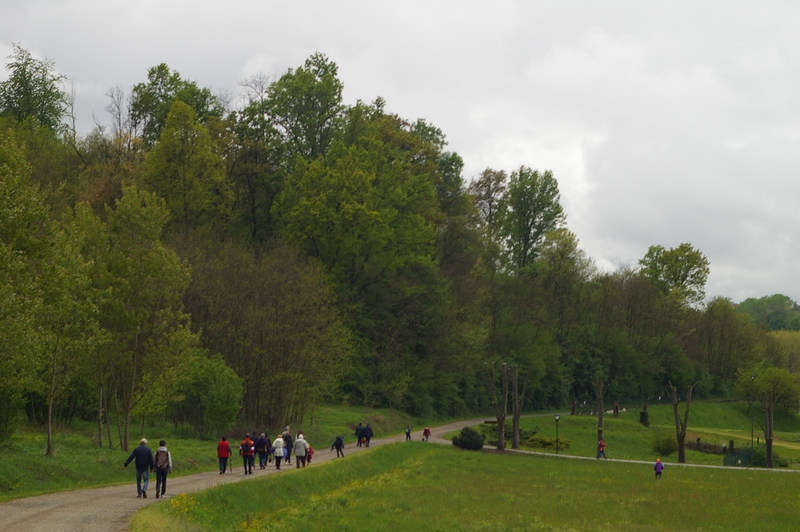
207	262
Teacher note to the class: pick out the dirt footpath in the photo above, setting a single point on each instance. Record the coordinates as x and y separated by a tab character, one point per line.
110	509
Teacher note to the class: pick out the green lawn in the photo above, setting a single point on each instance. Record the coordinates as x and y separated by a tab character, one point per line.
627	439
417	486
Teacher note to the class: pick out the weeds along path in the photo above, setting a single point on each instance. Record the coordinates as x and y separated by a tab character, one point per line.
110	508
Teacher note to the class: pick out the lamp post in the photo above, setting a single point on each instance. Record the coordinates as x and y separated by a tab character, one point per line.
752	394
556	417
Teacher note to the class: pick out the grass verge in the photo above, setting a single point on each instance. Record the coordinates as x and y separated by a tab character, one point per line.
419	486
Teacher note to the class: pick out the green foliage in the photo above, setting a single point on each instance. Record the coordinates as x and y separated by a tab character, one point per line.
776	312
32	90
681	271
305	104
543	442
151	102
184	170
469	439
533	210
664	443
208	395
759	458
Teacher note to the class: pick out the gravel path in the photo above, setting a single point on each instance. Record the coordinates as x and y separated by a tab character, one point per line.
110	509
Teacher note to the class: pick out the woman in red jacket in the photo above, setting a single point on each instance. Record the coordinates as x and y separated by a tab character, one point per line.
223	453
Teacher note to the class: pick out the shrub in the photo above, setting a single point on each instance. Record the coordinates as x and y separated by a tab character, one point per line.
760	457
541	442
469	439
664	443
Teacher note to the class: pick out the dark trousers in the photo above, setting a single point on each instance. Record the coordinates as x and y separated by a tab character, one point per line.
161	479
299	460
367	444
408	436
288	455
248	464
339	452
262	459
223	465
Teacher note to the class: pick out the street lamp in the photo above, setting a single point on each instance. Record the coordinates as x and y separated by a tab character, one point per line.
752	394
556	417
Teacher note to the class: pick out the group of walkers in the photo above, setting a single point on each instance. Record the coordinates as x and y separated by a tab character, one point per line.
145	463
280	451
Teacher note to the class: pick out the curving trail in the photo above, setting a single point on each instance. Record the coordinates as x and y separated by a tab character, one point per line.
110	509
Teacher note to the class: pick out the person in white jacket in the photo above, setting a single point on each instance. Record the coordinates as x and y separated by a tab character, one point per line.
300	450
163	460
277	445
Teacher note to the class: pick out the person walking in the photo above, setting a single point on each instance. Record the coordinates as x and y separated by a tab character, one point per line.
338	444
310	454
247	450
408	432
300	450
163	460
359	434
426	434
658	468
601	449
368	434
144	464
277	448
262	448
223	453
288	444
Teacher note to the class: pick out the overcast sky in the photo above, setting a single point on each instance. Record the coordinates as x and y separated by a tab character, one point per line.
663	122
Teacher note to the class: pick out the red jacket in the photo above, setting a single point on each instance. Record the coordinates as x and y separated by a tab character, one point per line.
223	449
246	448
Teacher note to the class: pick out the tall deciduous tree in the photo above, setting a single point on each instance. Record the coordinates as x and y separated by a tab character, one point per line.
33	90
680	424
306	104
533	210
148	330
773	387
681	272
184	170
23	222
273	319
151	102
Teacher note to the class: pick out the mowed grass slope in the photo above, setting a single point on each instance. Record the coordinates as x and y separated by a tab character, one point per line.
626	438
416	486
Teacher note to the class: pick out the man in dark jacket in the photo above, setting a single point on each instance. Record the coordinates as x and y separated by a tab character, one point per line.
359	434
288	443
368	434
144	464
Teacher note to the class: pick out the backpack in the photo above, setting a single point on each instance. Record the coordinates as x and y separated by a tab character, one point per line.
162	459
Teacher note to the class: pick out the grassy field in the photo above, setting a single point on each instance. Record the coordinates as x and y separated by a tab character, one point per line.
417	486
626	438
77	463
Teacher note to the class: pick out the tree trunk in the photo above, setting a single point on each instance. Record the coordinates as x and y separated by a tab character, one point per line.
769	408
100	417
518	401
499	412
600	391
680	425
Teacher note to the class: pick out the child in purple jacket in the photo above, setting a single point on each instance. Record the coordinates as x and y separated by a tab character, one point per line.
658	468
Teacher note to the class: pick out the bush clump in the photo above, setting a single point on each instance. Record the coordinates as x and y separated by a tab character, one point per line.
469	439
541	442
664	443
760	458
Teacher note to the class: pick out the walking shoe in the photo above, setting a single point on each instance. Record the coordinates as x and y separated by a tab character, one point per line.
139	496
157	495
144	494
